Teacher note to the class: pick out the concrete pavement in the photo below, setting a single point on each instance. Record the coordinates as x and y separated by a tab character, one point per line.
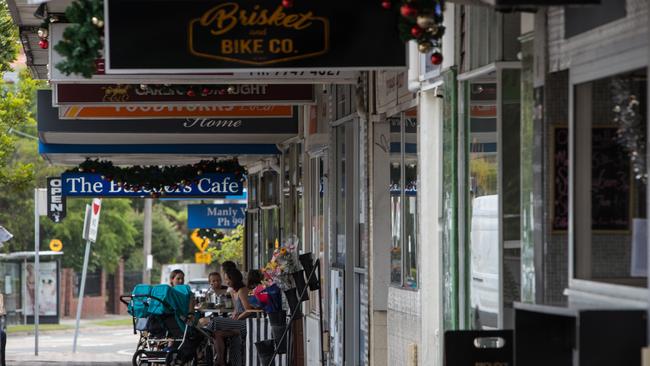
96	345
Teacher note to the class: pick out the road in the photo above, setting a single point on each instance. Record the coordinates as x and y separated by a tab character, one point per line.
114	345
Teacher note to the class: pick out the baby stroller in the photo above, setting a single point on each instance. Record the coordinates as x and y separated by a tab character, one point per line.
168	334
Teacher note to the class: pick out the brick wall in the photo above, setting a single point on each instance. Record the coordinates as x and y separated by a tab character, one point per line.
92	307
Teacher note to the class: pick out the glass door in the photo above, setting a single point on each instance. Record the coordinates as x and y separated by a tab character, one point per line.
345	283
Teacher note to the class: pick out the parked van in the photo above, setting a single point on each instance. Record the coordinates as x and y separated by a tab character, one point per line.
484	246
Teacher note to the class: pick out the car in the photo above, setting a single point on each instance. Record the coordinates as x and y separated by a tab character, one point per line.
199	286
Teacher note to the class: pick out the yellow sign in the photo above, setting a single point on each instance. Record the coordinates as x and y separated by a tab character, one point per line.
56	245
201	243
202	258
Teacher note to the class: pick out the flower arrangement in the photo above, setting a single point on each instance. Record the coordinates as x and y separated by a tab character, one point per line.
282	264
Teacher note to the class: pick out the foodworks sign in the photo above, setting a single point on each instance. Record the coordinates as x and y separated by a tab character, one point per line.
207	185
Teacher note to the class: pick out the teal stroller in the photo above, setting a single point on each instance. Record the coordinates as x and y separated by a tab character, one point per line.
168	331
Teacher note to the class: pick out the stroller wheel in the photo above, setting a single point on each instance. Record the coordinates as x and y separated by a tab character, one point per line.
173	359
138	358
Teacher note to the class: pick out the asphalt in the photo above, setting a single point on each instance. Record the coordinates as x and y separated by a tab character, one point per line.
96	345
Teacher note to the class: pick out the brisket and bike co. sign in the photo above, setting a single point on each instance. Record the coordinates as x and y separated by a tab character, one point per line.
129	94
217	36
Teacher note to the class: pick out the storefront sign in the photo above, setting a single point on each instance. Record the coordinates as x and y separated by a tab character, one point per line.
168	111
207	185
314	76
130	94
239	35
216	216
55	201
178	130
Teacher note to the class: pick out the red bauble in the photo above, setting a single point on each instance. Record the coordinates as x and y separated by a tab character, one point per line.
416	31
408	11
386	4
190	93
287	3
436	58
43	43
206	91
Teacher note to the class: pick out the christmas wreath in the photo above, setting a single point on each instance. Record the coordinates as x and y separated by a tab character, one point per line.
156	178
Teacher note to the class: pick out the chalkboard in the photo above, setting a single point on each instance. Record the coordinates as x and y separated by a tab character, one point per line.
560	179
610	182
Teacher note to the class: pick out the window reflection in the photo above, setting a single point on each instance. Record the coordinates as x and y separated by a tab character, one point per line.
484	204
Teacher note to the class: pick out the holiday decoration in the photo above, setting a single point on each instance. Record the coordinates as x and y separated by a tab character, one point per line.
156	178
631	132
416	31
43	43
83	39
408	10
421	20
287	3
436	58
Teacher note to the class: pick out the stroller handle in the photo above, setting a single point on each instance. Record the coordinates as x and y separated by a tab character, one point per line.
165	304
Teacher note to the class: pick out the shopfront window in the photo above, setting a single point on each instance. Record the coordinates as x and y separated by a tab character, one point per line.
483	204
610	213
317	185
403	199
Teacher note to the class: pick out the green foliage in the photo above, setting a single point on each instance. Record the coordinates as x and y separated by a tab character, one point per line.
8	38
115	237
230	248
16	111
21	168
165	237
82	41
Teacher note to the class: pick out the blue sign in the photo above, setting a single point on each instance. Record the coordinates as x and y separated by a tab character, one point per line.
92	185
217	216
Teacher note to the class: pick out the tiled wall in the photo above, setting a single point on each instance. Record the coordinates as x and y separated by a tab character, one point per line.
403	324
556	245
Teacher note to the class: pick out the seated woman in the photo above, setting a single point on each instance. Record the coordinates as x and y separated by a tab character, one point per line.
234	327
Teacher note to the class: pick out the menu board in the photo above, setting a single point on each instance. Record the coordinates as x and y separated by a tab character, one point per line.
610	181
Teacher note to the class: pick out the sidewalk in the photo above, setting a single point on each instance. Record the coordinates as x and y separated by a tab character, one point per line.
106	341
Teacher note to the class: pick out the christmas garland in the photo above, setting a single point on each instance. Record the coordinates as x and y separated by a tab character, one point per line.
212	234
421	20
631	133
83	39
155	178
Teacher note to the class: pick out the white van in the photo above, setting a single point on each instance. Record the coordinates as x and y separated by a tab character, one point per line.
484	246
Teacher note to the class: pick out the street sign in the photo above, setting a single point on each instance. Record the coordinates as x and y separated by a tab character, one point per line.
91	221
216	216
201	257
56	245
55	200
5	235
201	243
